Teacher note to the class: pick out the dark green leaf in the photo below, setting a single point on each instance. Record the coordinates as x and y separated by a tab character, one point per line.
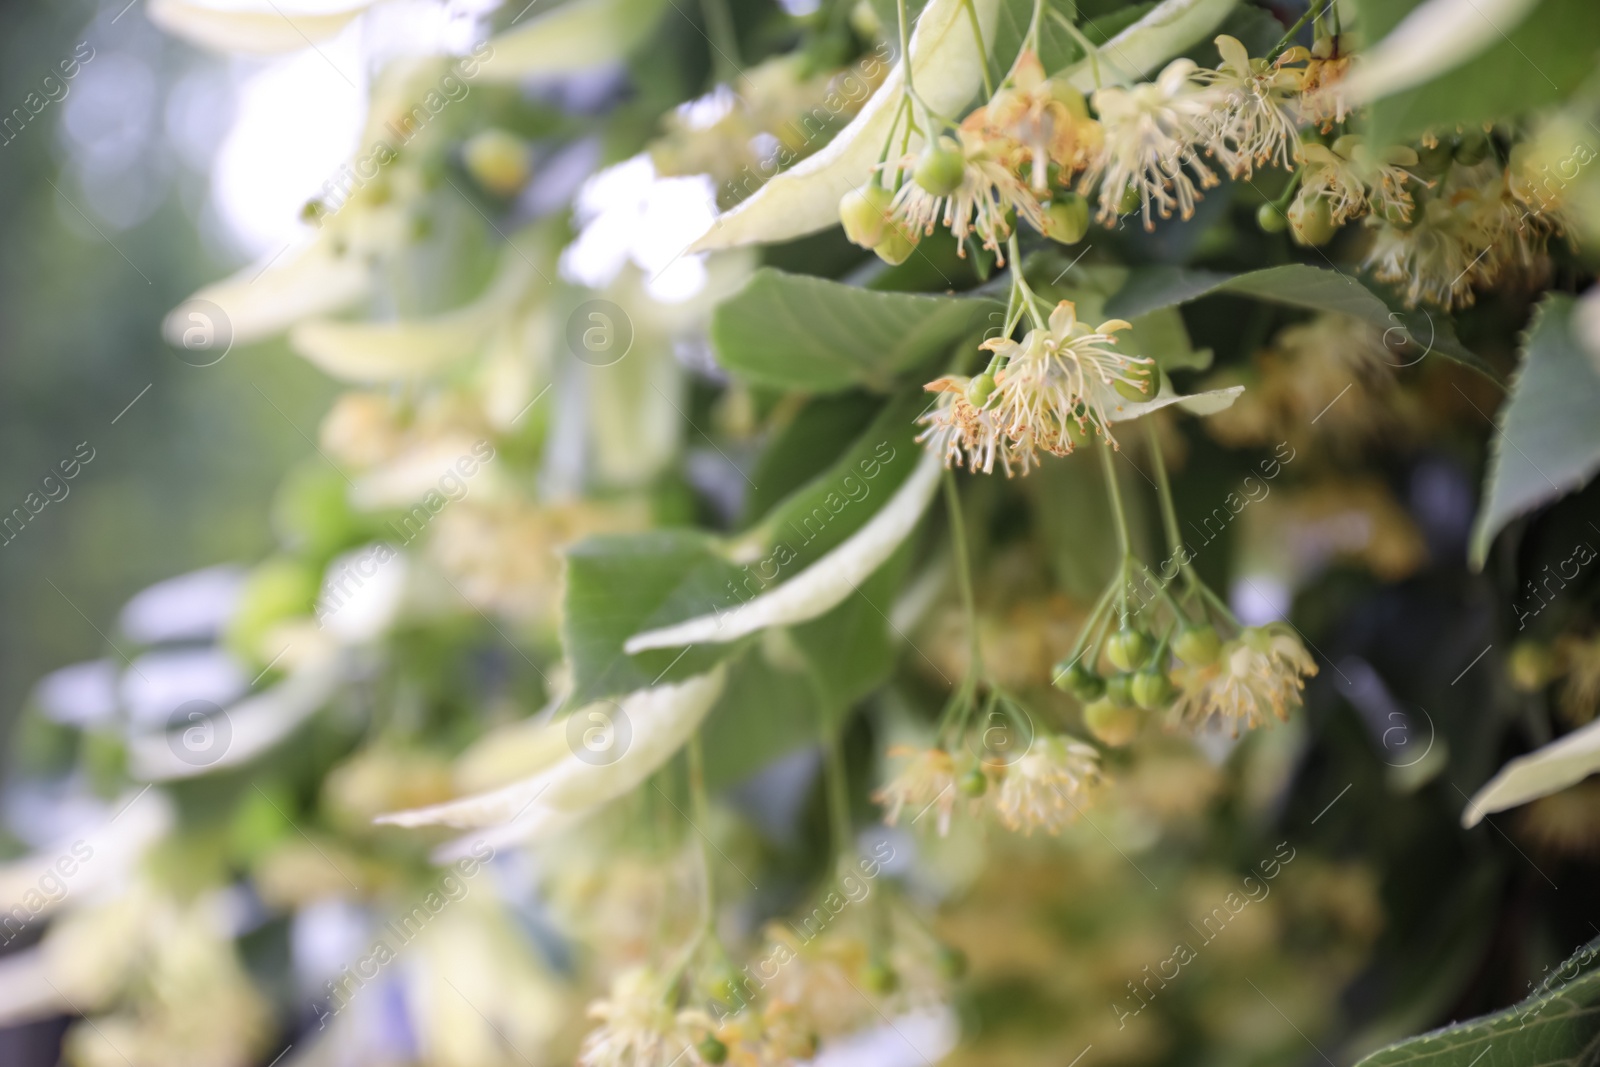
1539	62
1548	444
1558	1026
1303	286
791	331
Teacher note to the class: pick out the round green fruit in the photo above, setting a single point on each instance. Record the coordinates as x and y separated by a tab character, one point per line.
880	978
974	783
1066	220
1119	689
1311	221
895	247
1080	681
1110	724
1197	644
940	170
1128	648
980	389
1270	219
864	214
1151	689
711	1050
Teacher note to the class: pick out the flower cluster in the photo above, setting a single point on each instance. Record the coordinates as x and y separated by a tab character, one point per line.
1046	788
1060	384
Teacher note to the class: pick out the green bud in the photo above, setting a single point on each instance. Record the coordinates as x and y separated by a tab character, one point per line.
895	247
1128	648
1436	160
1270	219
1081	681
1119	689
1110	724
1324	47
1067	93
940	170
1311	221
980	389
498	160
711	1050
1143	386
1471	148
1197	644
974	783
1066	220
1131	201
864	213
880	978
1151	689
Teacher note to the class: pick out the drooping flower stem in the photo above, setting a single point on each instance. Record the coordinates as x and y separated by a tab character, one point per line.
1288	38
1124	542
958	545
1169	513
1029	300
837	786
1090	49
724	42
702	816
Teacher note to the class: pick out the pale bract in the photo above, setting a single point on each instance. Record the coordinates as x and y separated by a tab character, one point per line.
820	587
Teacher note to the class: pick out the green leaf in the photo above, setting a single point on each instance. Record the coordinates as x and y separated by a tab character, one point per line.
619	584
818	516
622	584
791	331
815	437
1548	444
1297	285
1558	1026
1538	62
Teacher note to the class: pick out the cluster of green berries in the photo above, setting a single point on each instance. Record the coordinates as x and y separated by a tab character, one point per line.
1112	703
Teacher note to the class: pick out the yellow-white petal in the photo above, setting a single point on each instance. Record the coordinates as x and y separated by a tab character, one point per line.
255	26
659	720
1437	36
1138	52
392	351
948	70
821	586
577	36
261	302
1541	772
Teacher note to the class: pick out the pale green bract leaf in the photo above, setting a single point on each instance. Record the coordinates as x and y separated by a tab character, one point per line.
648	726
947	68
1435	37
1138	52
575	37
260	27
260	303
819	587
1538	774
1549	439
254	724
